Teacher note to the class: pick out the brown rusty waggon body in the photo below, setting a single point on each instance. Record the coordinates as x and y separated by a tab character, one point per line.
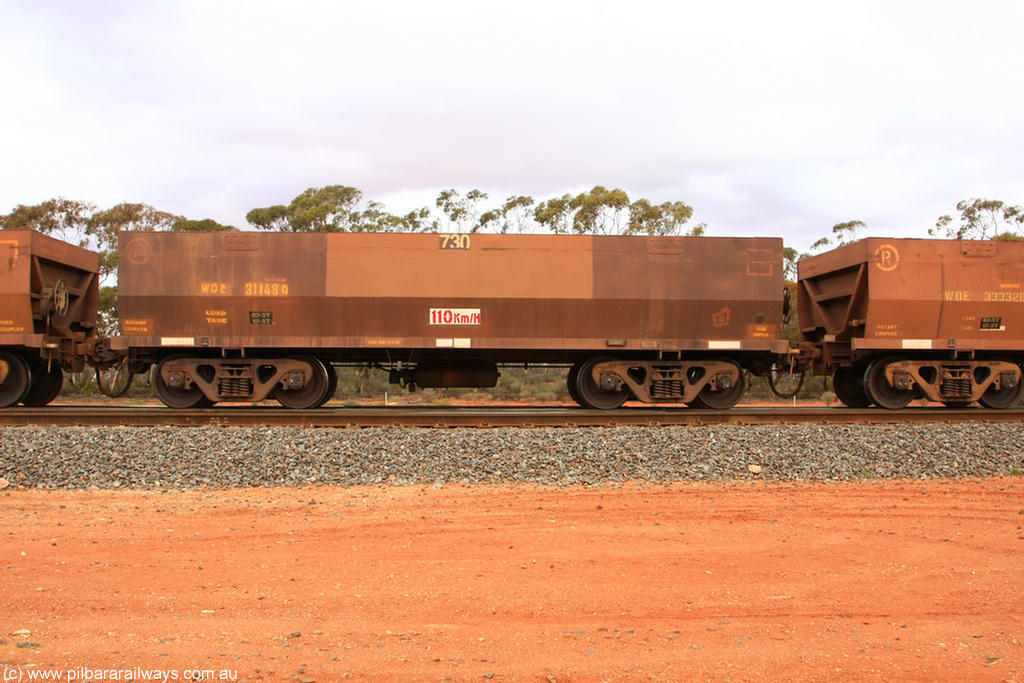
892	319
245	316
49	292
240	316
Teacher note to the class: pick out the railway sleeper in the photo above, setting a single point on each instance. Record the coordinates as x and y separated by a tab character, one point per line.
697	381
991	382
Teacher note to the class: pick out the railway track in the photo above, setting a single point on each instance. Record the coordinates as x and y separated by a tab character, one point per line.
485	417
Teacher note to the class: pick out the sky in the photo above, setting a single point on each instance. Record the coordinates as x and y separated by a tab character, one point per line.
769	118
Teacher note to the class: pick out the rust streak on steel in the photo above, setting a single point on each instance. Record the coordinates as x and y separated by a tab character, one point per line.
486	418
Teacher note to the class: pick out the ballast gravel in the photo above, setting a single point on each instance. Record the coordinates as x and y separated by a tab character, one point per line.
221	457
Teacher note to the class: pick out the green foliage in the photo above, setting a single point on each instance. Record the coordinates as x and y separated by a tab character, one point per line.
270	218
555	214
530	385
65	219
362	381
461	211
847	232
600	212
205	225
334	208
515	215
644	217
665	219
790	257
318	209
610	212
375	218
791	329
417	220
982	219
340	208
83	383
108	317
127	216
820	244
324	209
842	233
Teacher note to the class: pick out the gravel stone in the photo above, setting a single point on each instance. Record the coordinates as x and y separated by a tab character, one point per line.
229	457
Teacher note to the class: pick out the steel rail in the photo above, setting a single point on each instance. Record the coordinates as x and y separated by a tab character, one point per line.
484	417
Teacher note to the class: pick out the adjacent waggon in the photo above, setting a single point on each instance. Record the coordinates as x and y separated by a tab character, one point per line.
246	316
895	319
242	316
49	292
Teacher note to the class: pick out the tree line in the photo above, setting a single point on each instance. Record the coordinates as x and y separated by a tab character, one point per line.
340	208
978	219
599	211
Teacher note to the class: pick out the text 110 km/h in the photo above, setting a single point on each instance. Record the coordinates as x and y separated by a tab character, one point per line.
454	316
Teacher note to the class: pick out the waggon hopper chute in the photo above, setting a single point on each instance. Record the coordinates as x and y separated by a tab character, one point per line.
49	292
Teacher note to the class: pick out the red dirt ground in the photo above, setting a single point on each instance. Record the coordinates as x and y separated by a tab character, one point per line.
898	581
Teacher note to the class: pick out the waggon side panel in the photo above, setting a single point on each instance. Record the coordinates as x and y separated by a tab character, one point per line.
366	291
477	266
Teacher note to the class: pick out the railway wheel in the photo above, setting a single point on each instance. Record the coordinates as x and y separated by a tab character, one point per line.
312	393
45	386
15	378
1000	399
570	382
694	375
332	384
848	386
878	389
593	396
724	398
177	397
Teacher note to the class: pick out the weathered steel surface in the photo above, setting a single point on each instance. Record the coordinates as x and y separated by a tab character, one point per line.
484	417
49	292
374	296
915	295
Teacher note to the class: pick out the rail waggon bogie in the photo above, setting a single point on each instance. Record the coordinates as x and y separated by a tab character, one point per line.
607	383
183	380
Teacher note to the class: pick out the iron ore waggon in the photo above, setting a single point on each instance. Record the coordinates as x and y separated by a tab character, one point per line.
243	316
49	292
895	319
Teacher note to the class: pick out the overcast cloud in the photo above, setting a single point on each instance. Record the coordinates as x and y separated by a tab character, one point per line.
778	118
